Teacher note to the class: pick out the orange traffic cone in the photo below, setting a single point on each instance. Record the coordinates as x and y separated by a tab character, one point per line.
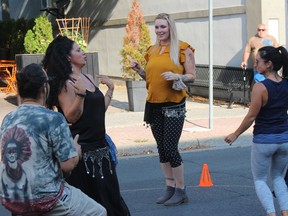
205	180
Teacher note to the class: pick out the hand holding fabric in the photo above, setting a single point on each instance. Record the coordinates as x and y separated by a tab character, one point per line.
170	76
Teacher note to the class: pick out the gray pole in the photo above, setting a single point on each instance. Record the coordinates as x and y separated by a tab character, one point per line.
210	64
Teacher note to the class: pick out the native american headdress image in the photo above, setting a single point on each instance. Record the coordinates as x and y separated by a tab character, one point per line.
19	137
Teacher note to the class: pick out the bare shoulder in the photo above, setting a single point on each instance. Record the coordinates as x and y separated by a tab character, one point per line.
188	51
259	88
271	36
67	88
67	95
190	58
90	77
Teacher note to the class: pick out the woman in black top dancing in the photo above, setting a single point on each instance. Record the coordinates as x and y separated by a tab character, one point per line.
83	105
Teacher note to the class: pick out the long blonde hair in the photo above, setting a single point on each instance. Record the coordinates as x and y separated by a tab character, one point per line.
174	42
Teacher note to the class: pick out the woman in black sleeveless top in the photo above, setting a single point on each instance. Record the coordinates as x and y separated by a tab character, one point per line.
83	105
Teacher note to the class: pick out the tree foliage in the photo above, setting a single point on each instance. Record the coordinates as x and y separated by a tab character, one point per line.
135	42
12	36
38	39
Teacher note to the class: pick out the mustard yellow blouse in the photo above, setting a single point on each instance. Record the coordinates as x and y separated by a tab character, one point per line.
159	89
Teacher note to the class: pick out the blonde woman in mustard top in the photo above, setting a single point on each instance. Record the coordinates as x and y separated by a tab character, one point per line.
169	63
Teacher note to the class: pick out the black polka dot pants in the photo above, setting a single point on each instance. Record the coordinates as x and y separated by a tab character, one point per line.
167	127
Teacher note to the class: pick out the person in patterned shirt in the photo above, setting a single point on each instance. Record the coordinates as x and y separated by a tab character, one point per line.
36	150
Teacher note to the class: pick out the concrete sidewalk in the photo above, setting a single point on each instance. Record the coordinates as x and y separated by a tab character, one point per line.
132	137
127	128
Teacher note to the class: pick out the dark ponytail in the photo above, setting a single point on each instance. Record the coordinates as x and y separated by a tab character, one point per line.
278	56
284	58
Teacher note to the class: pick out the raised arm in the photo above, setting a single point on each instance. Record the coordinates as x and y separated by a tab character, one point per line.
136	67
109	93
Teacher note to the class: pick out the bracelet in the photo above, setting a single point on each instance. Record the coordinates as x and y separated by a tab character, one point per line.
81	95
179	78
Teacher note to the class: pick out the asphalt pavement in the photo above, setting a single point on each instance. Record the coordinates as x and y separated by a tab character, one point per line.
140	177
232	193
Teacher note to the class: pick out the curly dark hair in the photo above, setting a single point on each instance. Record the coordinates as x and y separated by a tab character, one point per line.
57	65
278	56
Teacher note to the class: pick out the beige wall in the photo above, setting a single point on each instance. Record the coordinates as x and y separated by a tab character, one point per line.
261	11
234	21
192	24
275	11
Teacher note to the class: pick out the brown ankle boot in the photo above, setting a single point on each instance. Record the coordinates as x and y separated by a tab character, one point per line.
178	198
168	194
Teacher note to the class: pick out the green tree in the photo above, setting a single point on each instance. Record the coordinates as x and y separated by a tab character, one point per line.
12	36
38	39
135	42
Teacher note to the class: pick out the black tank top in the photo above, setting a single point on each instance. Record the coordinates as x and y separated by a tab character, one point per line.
91	125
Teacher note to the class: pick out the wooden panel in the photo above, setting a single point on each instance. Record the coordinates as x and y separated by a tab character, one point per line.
92	66
8	76
23	60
